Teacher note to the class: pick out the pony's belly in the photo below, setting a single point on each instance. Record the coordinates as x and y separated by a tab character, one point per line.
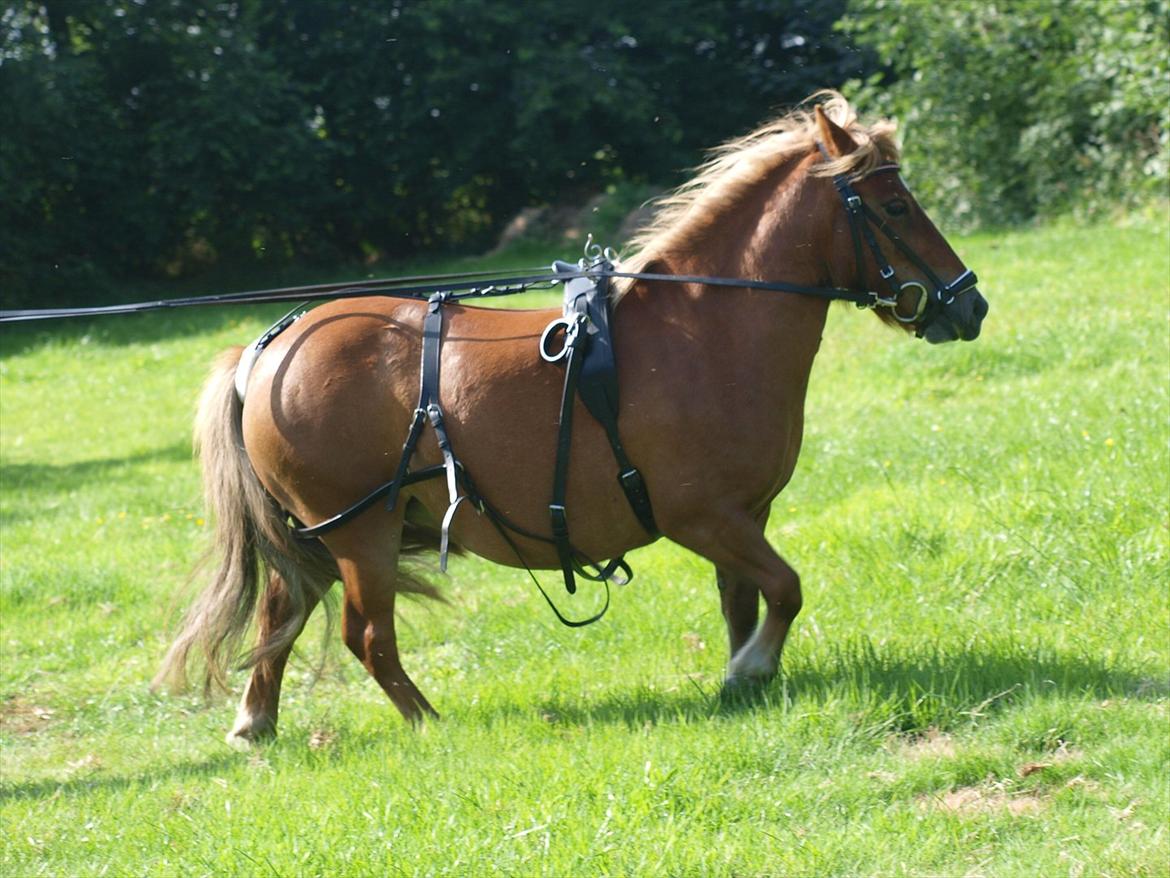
601	526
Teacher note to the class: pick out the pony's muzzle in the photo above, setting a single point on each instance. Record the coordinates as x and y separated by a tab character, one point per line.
961	318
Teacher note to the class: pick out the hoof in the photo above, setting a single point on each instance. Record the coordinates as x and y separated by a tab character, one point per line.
250	731
740	693
745	682
238	742
748	665
736	685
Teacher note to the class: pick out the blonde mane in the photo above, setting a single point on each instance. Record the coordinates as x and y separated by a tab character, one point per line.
737	166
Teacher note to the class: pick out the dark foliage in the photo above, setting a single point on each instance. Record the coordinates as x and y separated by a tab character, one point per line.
156	139
152	139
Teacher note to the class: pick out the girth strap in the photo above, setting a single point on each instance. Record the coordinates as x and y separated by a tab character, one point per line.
574	345
572	563
597	383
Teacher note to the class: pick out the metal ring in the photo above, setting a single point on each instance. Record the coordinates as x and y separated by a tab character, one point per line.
919	309
561	323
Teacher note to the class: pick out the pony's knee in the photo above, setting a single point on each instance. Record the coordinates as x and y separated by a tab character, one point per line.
783	593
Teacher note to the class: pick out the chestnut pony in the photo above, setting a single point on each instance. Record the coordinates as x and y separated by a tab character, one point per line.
712	387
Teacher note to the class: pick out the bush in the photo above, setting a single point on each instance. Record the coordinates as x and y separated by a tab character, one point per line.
1016	109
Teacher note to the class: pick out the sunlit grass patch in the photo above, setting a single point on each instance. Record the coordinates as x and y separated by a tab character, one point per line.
978	683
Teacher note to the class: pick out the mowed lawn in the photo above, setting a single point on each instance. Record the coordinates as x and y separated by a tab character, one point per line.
978	684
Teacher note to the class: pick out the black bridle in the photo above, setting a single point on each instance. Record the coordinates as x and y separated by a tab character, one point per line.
862	220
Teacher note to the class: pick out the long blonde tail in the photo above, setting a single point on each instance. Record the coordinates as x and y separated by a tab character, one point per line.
251	540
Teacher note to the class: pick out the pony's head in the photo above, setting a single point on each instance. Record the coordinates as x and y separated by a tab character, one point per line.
877	239
886	243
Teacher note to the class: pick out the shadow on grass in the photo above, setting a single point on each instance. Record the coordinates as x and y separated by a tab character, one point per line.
883	689
51	478
187	770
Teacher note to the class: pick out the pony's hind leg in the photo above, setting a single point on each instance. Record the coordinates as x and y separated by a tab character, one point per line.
257	713
367	555
369	634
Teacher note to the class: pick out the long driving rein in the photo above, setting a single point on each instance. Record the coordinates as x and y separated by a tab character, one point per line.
484	284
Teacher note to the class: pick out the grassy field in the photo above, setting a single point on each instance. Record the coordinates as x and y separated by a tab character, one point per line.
978	684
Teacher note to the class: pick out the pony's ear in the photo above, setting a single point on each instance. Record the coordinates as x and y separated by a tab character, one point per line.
835	138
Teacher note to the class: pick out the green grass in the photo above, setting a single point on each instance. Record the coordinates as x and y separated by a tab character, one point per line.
978	684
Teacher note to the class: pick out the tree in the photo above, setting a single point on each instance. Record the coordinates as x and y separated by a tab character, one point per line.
154	138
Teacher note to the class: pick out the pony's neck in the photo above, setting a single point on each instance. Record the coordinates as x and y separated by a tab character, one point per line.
779	230
775	231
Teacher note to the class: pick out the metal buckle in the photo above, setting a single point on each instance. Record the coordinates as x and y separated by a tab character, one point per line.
560	523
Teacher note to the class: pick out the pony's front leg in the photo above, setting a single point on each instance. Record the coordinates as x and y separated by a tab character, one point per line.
760	656
745	561
256	716
740	601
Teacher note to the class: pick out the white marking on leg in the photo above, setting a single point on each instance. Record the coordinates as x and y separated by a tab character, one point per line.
249	726
759	657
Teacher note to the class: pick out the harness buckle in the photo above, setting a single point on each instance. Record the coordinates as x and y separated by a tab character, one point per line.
560	523
887	272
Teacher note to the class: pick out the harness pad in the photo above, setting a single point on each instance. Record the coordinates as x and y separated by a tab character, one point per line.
587	303
597	384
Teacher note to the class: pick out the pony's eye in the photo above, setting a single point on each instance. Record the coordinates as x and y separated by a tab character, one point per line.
897	207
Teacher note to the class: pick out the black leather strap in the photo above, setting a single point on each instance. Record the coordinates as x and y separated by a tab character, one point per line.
427	409
574	345
428	391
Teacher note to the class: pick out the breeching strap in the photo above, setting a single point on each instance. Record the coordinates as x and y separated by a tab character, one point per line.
428	409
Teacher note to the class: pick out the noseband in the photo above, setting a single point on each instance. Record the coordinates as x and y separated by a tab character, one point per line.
862	219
